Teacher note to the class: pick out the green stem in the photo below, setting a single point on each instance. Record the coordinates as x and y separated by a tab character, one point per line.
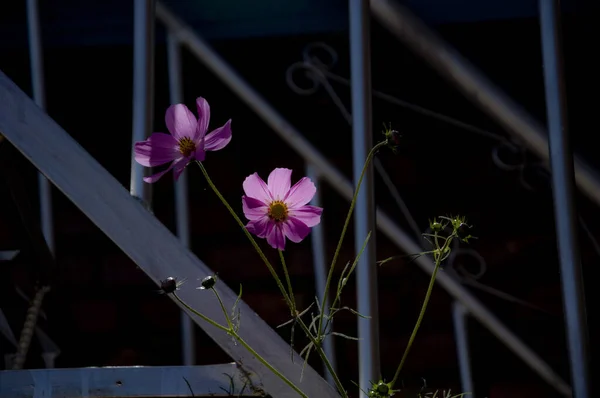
289	282
344	229
341	285
233	333
248	235
317	344
223	308
417	325
269	366
204	317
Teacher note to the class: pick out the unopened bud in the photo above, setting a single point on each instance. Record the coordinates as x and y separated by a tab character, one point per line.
208	282
169	285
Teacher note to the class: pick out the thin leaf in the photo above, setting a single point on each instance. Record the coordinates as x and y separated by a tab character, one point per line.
318	305
305	348
313	324
189	386
356	313
342	276
293	319
305	361
285	323
345	336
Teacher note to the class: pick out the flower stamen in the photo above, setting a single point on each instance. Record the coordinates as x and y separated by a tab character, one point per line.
186	146
278	211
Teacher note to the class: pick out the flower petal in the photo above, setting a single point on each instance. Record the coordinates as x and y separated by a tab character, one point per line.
179	166
261	227
199	155
156	177
275	237
279	183
256	188
295	230
254	208
158	149
181	122
309	215
301	193
203	115
218	138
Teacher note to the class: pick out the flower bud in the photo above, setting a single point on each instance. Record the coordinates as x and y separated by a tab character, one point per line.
169	285
381	390
435	225
392	137
208	282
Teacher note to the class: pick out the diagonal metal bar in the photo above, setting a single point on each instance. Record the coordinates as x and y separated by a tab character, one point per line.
475	86
8	255
339	182
143	238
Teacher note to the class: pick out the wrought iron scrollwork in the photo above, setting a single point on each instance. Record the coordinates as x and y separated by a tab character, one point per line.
315	69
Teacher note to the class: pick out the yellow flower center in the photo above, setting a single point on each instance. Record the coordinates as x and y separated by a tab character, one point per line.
278	211
186	146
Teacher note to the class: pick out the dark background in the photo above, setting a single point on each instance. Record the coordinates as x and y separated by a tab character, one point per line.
103	311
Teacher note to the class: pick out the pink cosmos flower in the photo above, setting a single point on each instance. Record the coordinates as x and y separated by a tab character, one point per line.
277	211
187	142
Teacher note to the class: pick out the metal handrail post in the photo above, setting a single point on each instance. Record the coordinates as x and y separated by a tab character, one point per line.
188	341
143	90
338	181
36	55
461	335
364	214
475	86
320	268
561	161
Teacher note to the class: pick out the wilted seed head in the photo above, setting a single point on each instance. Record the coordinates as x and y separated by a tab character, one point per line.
381	390
461	228
435	225
462	231
169	285
392	137
208	282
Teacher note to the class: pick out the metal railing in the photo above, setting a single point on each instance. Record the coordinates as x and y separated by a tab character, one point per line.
313	158
423	41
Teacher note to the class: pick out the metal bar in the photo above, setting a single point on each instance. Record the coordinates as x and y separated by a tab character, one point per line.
320	267
8	255
6	330
36	56
339	182
49	348
143	90
561	161
136	381
459	315
364	214
144	238
475	86
188	343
